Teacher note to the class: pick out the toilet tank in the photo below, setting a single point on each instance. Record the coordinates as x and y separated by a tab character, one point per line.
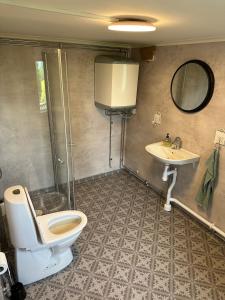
116	82
21	225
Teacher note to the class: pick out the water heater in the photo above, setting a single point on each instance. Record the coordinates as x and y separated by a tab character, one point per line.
115	82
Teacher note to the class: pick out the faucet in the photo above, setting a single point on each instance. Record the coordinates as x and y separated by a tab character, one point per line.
176	144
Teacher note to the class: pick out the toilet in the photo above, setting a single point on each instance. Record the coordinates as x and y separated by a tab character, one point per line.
42	243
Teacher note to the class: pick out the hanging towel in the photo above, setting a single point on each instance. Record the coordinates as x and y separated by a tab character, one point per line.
205	193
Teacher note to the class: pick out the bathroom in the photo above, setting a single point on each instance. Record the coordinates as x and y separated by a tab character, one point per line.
130	248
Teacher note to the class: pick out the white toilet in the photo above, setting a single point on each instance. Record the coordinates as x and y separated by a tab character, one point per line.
42	243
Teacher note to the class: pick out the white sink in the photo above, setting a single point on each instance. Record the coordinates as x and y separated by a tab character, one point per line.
170	156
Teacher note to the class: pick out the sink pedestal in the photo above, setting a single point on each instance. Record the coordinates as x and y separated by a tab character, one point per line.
167	172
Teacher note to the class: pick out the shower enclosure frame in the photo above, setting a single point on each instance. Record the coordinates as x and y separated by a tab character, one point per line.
56	160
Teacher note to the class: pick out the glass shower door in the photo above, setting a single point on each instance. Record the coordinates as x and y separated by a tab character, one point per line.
59	123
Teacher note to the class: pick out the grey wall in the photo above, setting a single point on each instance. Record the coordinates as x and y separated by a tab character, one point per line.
25	153
196	130
90	126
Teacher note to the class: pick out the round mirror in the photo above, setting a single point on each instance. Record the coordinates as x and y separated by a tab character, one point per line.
192	86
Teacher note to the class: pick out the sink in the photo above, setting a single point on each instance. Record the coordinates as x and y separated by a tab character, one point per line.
170	156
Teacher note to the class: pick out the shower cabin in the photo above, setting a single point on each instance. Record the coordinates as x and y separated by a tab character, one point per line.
35	129
61	195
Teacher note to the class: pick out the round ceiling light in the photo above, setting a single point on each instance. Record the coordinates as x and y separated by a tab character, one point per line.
132	26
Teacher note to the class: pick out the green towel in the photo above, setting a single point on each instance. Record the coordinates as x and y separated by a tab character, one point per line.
205	193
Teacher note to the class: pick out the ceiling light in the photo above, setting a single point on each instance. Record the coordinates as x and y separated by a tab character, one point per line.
132	26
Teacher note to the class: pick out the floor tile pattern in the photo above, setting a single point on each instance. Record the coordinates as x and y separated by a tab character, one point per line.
132	249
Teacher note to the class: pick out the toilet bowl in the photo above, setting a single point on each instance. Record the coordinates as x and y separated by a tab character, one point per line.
42	243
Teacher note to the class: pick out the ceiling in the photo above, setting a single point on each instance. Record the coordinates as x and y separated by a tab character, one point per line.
177	21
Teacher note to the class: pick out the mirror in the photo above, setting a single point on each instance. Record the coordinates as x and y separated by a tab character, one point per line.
192	86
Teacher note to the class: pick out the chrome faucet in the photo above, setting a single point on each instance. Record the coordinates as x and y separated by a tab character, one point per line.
177	143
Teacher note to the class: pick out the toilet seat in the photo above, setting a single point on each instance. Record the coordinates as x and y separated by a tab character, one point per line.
69	223
59	226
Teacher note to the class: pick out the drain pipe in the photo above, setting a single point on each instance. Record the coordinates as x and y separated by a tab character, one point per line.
166	173
167	207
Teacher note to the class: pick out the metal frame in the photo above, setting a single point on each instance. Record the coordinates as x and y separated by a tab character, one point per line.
50	120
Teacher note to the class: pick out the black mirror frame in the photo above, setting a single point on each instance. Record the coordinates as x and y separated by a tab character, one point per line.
211	83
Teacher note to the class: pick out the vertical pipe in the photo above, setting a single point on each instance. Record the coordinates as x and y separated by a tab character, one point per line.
110	140
123	120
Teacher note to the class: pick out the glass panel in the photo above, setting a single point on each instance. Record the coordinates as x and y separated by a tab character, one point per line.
55	63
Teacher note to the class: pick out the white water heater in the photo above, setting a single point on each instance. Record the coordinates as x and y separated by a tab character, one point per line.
115	82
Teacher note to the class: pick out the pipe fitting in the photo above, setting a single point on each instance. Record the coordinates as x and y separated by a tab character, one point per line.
165	173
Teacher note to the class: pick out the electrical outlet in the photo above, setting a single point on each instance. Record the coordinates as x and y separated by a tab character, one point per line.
220	137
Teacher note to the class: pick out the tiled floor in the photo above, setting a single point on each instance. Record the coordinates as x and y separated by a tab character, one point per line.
133	249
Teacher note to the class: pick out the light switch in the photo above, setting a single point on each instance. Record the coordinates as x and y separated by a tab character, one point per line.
156	119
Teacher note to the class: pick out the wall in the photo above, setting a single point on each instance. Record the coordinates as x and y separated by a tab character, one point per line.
196	130
89	124
25	152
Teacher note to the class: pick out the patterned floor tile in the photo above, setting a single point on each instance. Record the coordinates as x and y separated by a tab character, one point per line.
163	251
204	276
181	270
147	235
85	264
132	249
103	268
138	294
141	278
161	283
220	294
70	295
117	291
162	266
50	292
145	247
122	273
183	289
108	253
179	242
181	255
97	286
91	249
203	292
78	281
125	257
131	232
128	244
143	261
199	259
159	296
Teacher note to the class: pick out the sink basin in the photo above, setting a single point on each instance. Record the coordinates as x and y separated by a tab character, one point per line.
170	156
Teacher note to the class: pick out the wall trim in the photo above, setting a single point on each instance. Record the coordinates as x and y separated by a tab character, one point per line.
192	41
71	42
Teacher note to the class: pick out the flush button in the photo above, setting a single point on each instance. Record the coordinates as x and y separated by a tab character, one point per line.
16	192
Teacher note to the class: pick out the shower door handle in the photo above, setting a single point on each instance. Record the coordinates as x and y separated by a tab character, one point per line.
0	173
